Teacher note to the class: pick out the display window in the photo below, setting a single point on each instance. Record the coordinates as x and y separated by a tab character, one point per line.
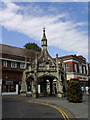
12	88
8	88
4	88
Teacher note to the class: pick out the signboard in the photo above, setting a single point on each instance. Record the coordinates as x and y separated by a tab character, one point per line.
9	82
83	78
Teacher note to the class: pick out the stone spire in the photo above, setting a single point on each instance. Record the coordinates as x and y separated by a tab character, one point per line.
44	39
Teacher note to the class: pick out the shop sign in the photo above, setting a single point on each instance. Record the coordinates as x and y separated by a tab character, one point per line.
83	79
9	82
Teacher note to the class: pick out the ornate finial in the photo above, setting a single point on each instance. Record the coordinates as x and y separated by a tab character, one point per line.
44	28
44	35
56	55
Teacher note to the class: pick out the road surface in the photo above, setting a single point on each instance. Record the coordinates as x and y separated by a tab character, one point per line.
21	109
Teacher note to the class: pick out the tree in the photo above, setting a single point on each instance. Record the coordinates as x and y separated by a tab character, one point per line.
74	92
32	46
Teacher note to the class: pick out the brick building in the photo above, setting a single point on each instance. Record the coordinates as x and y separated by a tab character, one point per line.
75	67
13	62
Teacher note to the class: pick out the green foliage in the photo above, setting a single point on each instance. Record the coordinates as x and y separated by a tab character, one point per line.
32	46
74	92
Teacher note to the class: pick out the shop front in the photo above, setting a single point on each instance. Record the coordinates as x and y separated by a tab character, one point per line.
9	87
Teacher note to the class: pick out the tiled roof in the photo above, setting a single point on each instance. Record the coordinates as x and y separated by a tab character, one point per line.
11	50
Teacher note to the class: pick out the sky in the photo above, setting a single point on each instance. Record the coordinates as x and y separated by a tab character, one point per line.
66	25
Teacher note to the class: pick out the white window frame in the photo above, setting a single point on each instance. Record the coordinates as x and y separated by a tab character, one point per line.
84	70
22	65
13	64
66	67
75	67
5	63
80	68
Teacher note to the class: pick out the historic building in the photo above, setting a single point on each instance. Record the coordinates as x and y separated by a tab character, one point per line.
76	67
13	61
47	77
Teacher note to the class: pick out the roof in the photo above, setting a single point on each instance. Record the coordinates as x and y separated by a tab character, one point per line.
11	50
72	56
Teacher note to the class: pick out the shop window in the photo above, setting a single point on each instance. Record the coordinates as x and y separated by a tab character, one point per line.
4	88
9	88
4	63
22	65
13	64
12	88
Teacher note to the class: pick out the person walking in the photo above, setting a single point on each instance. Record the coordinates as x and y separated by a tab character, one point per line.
83	89
87	88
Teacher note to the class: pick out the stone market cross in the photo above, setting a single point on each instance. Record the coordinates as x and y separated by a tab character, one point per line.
46	73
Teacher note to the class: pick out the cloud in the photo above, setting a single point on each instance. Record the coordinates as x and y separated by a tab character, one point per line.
45	0
61	34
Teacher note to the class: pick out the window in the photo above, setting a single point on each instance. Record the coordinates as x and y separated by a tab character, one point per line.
13	64
75	67
84	69
66	67
4	63
22	65
9	88
80	69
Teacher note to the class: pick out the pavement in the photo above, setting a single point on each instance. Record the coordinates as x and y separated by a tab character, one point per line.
73	110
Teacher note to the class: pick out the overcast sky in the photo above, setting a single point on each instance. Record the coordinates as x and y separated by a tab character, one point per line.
66	25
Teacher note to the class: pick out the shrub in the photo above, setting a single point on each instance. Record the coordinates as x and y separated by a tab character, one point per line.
74	92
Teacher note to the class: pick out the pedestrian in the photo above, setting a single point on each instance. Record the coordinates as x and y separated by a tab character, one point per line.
82	88
87	89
